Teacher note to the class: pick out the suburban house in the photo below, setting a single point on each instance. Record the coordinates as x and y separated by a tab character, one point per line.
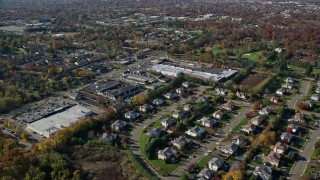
249	128
228	106
181	142
188	107
288	85
298	117
196	131
281	92
158	102
292	128
221	92
171	95
286	137
289	80
264	172
314	97
239	140
280	148
215	163
168	122
241	95
207	122
179	114
205	174
155	132
180	91
308	103
119	125
202	99
273	158
218	114
146	108
108	137
318	90
187	84
265	111
168	154
131	115
257	120
274	99
230	148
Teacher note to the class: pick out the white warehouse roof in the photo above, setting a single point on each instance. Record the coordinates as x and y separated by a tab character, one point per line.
177	71
49	125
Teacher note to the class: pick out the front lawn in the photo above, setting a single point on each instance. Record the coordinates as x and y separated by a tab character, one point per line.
240	125
203	161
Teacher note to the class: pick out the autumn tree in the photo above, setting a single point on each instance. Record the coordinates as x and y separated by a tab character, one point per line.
140	99
235	174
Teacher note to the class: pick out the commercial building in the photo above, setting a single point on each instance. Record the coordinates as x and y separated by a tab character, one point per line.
174	71
49	125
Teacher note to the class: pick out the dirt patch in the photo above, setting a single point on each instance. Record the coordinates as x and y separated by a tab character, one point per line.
253	80
99	162
101	169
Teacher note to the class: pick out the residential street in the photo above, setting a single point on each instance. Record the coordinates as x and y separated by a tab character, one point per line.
212	143
305	156
306	153
296	97
134	144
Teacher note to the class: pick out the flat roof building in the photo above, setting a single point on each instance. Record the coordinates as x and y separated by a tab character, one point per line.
49	125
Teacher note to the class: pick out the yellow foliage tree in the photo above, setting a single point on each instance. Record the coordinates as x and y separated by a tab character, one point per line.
236	174
140	99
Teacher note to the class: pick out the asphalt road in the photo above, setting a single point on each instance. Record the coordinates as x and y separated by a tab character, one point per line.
306	153
212	143
303	91
134	144
305	156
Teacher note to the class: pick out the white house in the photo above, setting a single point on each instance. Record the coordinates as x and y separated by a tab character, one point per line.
181	142
131	115
118	125
314	97
171	95
218	114
230	148
257	120
286	137
158	102
281	92
168	122
187	84
207	122
196	132
215	163
221	92
167	154
265	111
179	114
280	148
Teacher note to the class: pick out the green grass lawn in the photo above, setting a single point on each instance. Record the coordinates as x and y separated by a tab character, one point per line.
315	154
143	140
254	56
160	165
203	161
156	123
240	125
311	169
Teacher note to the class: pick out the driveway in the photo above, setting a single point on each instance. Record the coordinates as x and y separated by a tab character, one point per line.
135	134
212	143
